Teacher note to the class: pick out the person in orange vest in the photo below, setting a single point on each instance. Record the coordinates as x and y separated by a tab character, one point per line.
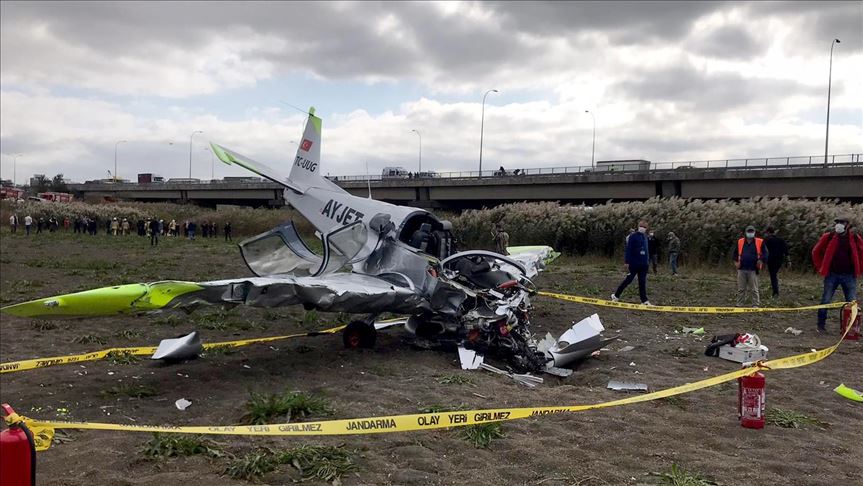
838	257
749	257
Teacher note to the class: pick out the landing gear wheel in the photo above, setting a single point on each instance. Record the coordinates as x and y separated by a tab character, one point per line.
359	334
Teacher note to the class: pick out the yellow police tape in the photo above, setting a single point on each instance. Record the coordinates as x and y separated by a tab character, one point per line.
686	310
30	364
43	431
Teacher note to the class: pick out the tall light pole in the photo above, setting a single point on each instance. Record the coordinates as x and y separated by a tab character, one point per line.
212	164
829	85
421	149
190	150
593	147
115	158
482	128
15	169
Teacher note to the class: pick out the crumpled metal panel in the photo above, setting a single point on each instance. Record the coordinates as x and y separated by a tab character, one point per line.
341	292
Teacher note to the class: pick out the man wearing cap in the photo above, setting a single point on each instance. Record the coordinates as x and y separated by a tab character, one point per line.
838	257
749	257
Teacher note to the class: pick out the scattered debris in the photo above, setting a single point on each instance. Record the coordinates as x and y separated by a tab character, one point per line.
182	404
740	348
693	330
632	363
470	360
578	342
794	331
179	348
626	349
622	386
849	393
525	379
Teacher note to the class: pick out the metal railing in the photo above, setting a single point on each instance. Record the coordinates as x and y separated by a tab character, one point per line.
632	166
760	163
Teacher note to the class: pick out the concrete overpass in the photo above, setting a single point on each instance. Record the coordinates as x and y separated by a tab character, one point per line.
841	180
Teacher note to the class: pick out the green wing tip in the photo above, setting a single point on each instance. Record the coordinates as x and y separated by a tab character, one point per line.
312	110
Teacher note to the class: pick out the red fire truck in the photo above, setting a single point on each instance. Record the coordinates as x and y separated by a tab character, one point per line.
8	192
55	196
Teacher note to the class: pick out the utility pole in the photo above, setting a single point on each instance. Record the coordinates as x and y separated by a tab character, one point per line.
829	85
482	128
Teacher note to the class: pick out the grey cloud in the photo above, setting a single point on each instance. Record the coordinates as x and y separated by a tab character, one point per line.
822	22
710	93
625	21
729	42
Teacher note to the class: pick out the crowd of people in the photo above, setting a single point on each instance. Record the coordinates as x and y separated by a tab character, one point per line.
151	228
837	256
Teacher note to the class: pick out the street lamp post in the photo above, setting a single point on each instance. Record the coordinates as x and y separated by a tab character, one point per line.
15	169
212	164
593	147
115	158
482	128
421	150
829	85
191	137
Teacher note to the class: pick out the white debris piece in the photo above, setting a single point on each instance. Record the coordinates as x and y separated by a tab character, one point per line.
622	386
791	330
469	359
578	342
182	404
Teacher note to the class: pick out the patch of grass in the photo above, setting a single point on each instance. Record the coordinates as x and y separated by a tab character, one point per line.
677	476
131	390
326	463
42	325
675	401
789	419
442	408
129	334
89	339
179	445
252	465
121	358
481	435
311	318
263	408
455	379
170	320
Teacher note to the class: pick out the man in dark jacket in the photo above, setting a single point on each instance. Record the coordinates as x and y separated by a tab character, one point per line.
653	250
637	262
749	257
777	252
154	232
838	257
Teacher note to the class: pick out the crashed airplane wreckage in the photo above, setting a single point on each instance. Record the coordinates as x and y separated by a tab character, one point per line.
377	258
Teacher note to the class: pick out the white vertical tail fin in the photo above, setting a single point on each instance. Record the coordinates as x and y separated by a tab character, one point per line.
306	170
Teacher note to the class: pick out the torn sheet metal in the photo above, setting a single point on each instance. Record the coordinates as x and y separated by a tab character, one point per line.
340	292
577	343
178	349
469	358
623	386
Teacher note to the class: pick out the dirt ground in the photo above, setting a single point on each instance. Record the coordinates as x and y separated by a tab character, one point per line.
618	446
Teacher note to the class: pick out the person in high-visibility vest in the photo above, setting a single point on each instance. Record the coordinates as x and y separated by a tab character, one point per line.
750	254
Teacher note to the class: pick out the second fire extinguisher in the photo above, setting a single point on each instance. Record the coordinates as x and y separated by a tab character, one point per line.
750	401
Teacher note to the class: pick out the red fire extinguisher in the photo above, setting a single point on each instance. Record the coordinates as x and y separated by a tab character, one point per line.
17	453
750	401
854	332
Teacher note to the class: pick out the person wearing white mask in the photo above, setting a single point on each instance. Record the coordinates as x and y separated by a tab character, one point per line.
838	257
750	254
637	262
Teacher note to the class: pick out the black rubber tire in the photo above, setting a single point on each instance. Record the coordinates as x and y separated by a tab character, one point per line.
359	335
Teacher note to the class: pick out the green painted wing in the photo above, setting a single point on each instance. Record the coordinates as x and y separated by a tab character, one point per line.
106	301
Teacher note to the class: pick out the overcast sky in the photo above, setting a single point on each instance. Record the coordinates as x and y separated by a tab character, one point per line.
666	81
